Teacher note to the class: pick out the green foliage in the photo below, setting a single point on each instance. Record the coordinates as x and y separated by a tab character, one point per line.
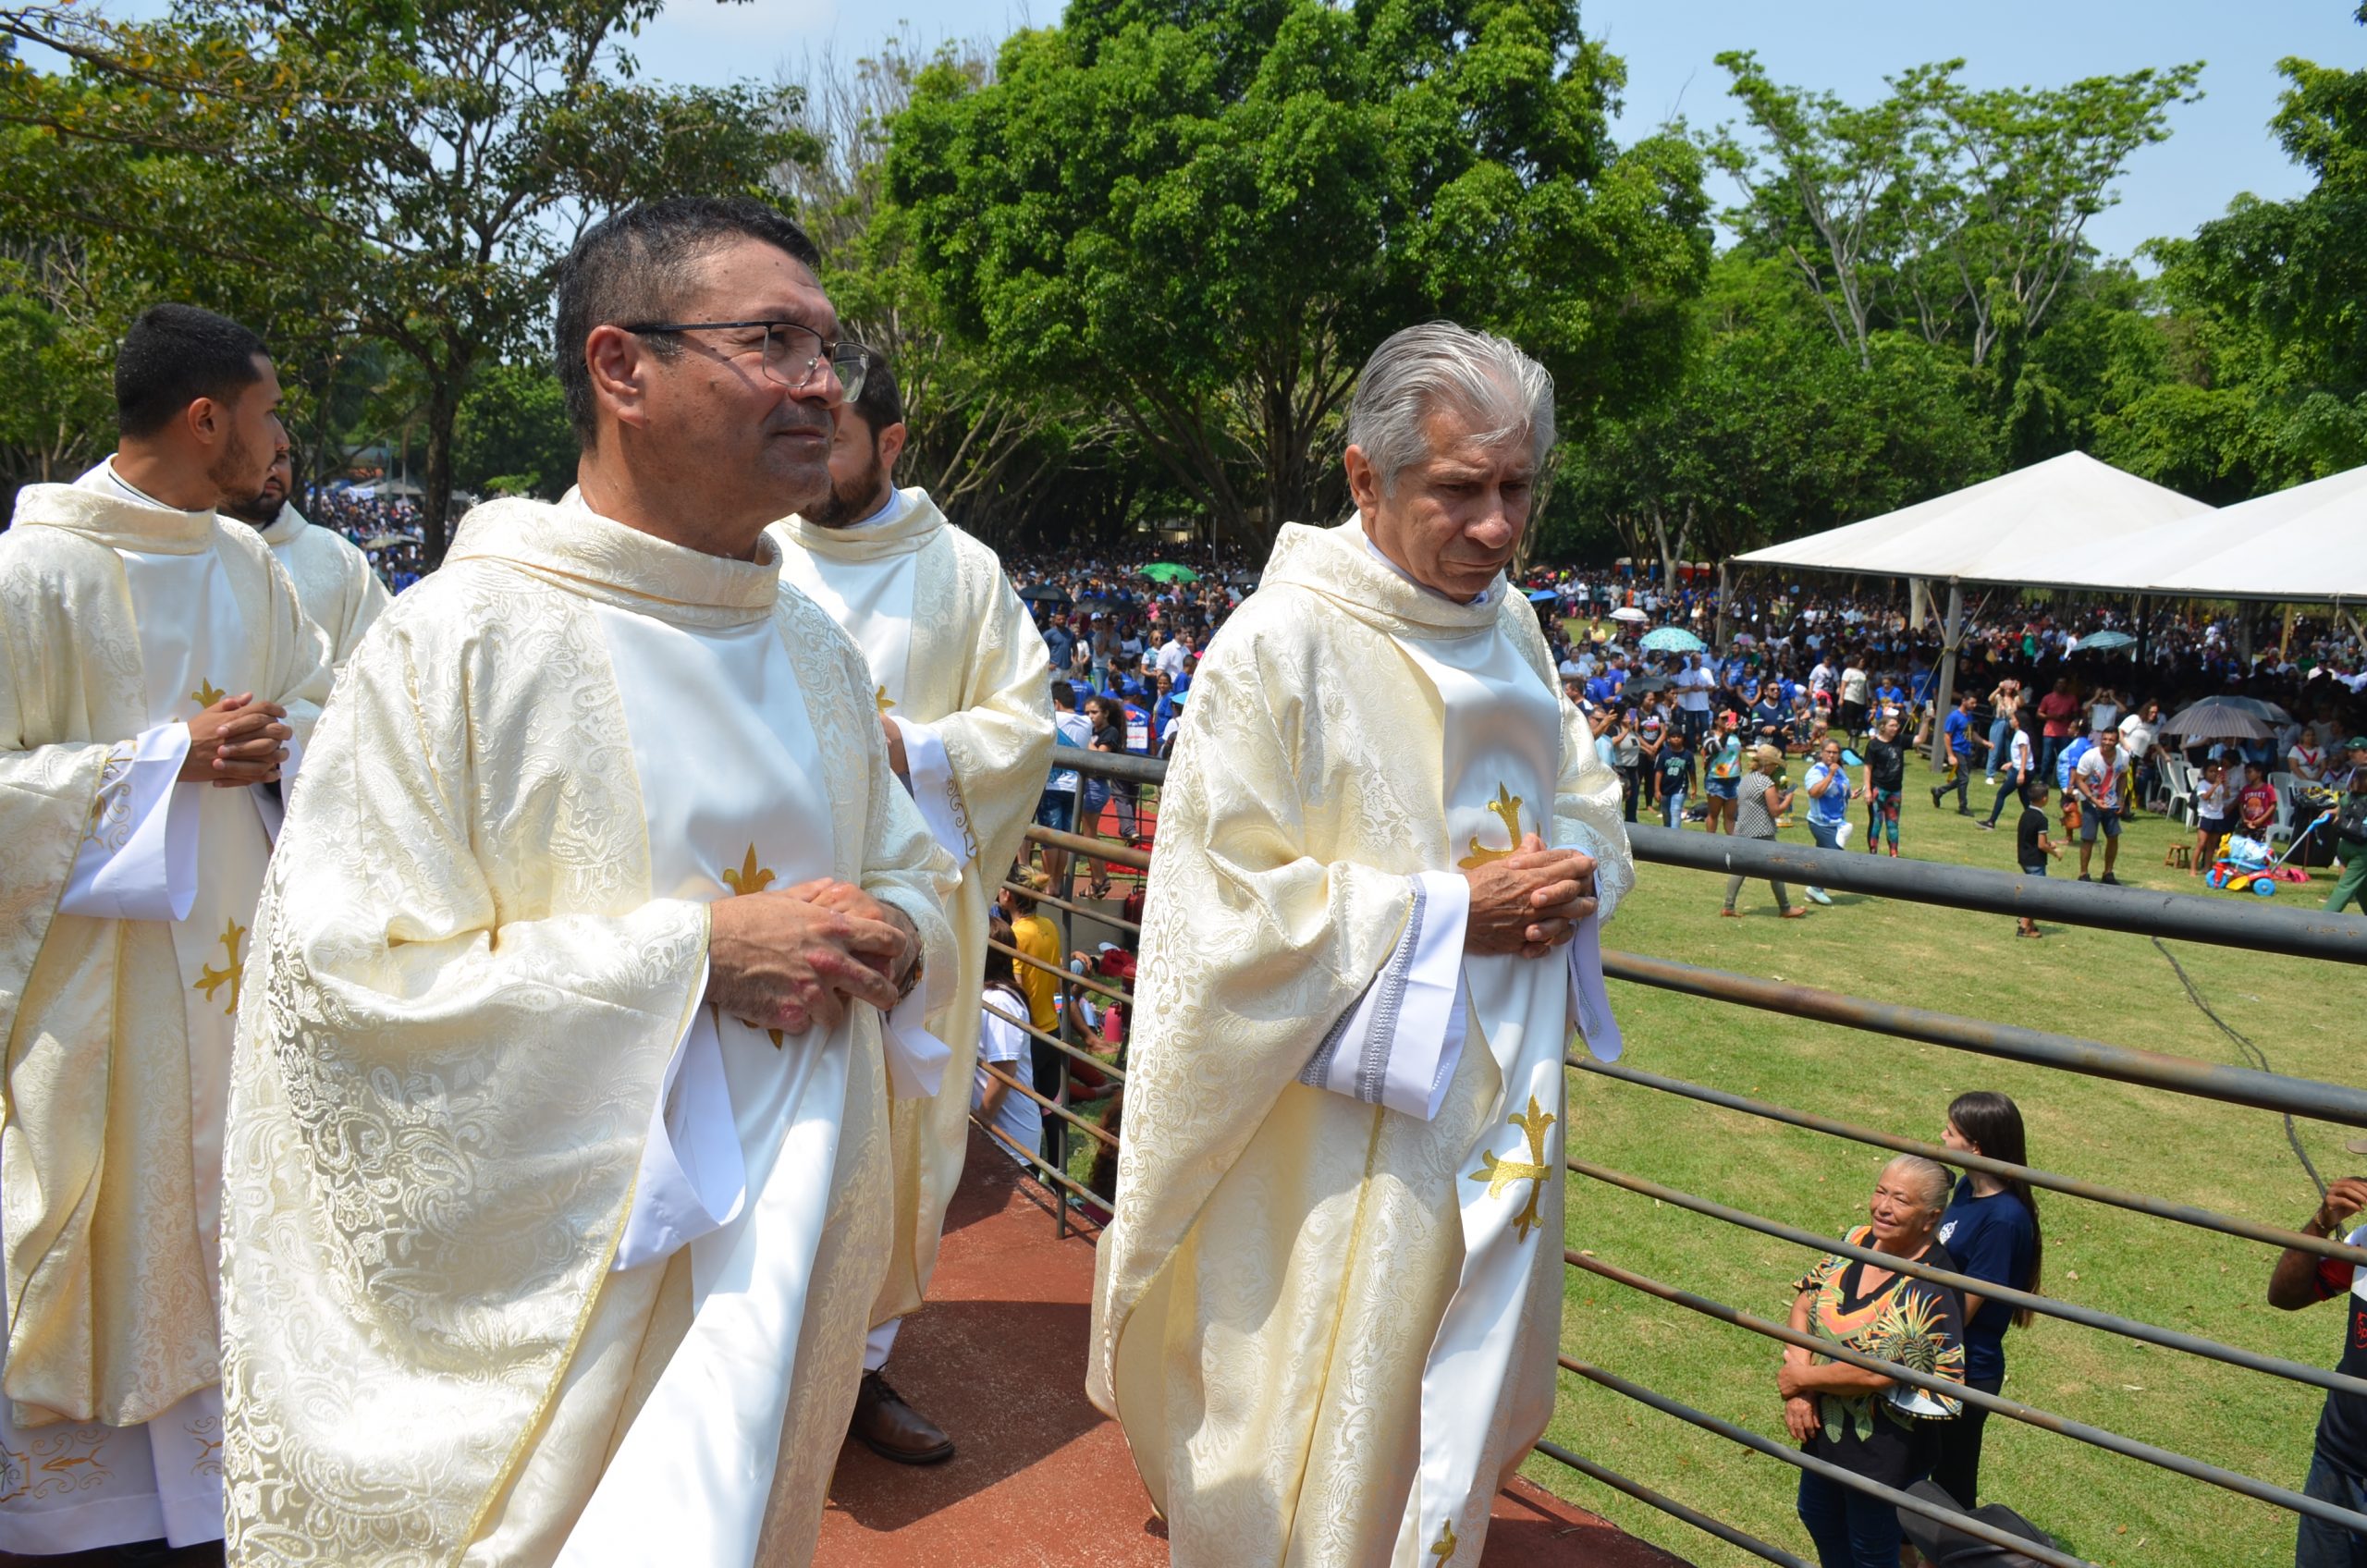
1204	216
512	437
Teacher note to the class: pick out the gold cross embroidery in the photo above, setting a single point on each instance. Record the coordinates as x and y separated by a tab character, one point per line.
751	878
1502	1173
206	694
1444	1549
210	979
882	700
1507	805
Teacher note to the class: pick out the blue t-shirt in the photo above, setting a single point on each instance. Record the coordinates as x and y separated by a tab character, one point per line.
1959	729
1828	802
1993	1239
1599	688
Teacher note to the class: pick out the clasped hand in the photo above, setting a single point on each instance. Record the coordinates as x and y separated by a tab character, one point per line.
237	742
792	958
1530	902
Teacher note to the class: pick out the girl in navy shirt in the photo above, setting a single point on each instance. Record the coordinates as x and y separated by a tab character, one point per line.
1992	1229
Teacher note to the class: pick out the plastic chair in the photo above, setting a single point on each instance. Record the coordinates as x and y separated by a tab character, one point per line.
2283	827
2180	777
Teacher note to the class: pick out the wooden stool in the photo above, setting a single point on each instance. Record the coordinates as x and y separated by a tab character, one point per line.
2181	855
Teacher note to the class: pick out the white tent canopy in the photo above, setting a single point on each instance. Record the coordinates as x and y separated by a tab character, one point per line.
2068	522
2306	544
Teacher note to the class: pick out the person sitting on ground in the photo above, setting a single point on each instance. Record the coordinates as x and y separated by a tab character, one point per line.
1886	777
1758	800
2101	780
2033	845
2339	1458
1004	1057
1861	1421
1992	1229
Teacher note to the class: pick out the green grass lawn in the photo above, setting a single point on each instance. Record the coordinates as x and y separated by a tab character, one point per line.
2103	984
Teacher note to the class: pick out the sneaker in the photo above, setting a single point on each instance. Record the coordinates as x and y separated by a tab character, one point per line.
1935	798
1986	827
1893	852
2085	877
2109	880
1991	782
1818	896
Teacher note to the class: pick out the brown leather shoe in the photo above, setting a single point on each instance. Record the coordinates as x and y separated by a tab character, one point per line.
892	1430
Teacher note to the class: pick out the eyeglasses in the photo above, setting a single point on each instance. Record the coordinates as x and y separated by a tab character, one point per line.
794	353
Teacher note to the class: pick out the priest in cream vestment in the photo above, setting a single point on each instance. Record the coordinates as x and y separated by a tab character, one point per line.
332	576
136	628
558	1191
963	683
1328	1306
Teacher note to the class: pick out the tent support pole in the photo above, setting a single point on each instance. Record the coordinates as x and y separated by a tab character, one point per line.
1722	604
1947	693
2144	626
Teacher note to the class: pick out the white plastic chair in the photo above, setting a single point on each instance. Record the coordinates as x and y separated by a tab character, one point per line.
2282	828
2180	781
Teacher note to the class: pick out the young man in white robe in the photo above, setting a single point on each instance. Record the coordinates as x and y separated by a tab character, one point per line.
155	675
963	687
1328	1304
332	576
558	1191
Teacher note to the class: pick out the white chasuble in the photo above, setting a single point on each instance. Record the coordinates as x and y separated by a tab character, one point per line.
474	1044
958	666
333	577
175	868
1326	1341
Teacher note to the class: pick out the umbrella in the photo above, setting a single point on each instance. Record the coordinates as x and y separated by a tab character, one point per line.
1746	641
1544	596
2216	719
2256	707
1672	640
2104	642
1644	685
1045	594
1168	572
1630	614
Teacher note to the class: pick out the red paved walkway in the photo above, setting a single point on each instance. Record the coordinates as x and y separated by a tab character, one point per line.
1042	1479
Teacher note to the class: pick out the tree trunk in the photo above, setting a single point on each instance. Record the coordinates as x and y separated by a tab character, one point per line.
436	502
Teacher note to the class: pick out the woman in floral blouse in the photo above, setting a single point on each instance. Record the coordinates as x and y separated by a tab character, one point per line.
1864	1422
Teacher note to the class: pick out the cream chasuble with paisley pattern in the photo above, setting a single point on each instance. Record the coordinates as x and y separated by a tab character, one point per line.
1325	1339
125	909
333	580
476	1065
958	665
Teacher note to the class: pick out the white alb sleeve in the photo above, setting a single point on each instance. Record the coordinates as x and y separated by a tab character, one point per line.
1399	1045
138	860
931	774
694	1177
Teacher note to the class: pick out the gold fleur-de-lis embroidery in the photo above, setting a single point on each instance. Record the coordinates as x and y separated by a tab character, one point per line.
210	979
1502	1173
882	700
752	878
1506	806
1444	1549
207	695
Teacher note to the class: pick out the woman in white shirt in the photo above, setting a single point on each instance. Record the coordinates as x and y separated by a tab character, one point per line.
2306	761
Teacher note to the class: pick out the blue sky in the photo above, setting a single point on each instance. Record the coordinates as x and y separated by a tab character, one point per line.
2220	146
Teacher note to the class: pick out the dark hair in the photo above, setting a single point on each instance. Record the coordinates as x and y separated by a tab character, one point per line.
1000	970
881	402
1994	1125
172	356
634	265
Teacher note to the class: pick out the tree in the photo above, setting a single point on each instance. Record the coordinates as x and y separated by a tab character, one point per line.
1203	215
434	157
511	435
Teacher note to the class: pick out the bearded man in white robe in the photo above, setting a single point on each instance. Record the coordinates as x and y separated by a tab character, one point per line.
1328	1307
155	674
963	687
333	577
557	1189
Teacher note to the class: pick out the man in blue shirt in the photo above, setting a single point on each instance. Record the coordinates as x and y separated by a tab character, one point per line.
1959	732
1058	642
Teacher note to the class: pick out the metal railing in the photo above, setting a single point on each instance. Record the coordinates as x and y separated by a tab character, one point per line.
2308	934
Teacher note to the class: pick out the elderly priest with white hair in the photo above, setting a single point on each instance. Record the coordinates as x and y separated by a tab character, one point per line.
1330	1302
557	1187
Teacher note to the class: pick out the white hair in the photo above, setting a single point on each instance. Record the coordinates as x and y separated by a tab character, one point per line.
1440	364
1937	1179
